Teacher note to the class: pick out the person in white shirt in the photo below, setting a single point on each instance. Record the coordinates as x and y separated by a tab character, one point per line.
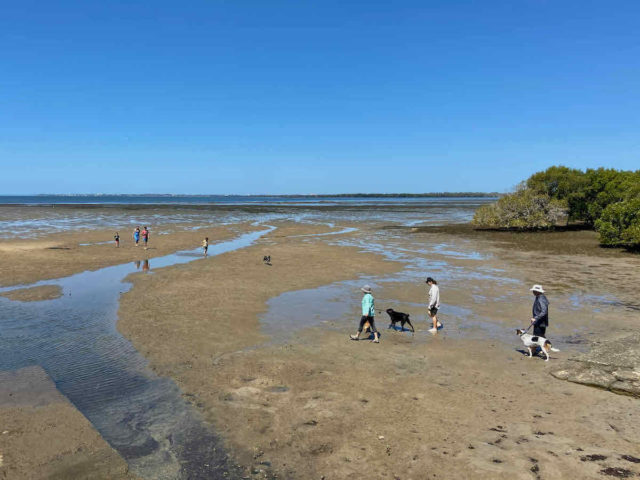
434	303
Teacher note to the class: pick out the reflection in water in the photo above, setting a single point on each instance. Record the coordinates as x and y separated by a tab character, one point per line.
137	264
145	265
141	415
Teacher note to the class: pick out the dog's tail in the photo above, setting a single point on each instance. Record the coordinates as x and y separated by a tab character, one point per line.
554	349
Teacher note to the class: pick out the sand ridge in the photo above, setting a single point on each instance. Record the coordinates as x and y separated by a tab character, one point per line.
34	294
44	437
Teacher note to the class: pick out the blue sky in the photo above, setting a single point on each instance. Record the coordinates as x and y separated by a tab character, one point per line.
281	97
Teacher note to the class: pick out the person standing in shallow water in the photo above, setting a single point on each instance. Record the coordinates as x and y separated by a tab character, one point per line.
368	314
434	303
145	236
116	237
540	318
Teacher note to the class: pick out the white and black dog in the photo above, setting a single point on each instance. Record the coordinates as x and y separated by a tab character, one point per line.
533	341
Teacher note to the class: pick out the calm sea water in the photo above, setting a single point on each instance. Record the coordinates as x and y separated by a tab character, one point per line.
220	199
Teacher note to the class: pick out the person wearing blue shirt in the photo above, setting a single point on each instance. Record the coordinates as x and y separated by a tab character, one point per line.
368	314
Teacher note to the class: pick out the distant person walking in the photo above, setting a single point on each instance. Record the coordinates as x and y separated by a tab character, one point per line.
434	303
205	245
136	235
368	314
145	236
116	237
540	318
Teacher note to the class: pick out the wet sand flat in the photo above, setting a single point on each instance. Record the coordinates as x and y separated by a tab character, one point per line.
42	436
308	403
464	403
34	294
58	255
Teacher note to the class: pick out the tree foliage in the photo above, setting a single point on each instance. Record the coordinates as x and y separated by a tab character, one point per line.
524	209
604	198
620	223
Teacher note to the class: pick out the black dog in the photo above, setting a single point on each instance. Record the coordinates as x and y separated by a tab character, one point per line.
267	259
395	317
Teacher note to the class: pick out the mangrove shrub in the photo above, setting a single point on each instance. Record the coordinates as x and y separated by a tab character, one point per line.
523	209
605	199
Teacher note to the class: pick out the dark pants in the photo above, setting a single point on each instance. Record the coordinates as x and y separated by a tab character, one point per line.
539	330
367	319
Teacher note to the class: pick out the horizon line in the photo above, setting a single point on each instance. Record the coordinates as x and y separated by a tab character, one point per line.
353	194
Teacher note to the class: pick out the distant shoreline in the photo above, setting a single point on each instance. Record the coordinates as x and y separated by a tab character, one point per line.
301	195
246	200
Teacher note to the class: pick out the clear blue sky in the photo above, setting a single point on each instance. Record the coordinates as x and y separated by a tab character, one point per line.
238	96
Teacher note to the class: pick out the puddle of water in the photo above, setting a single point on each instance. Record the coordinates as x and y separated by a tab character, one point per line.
579	300
337	305
74	338
292	311
96	243
339	232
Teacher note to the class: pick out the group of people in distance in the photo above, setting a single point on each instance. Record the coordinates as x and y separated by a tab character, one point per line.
144	234
539	319
137	233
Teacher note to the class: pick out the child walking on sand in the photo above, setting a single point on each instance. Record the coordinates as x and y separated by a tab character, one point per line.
205	245
368	313
116	237
136	235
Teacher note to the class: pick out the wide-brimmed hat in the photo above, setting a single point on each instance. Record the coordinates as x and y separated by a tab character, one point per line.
536	288
366	289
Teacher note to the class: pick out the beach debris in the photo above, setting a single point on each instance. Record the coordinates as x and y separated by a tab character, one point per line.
630	458
593	458
380	437
617	472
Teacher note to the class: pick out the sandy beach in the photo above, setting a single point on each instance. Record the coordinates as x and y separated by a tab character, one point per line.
316	405
44	437
262	352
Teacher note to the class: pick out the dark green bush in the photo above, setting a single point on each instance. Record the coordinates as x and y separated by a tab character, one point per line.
604	198
619	223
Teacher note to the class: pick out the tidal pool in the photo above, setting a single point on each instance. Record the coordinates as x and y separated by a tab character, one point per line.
74	338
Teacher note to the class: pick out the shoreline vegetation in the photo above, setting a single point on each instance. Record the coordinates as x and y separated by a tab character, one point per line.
604	200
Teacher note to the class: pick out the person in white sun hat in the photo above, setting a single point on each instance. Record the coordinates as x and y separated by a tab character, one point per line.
368	314
540	319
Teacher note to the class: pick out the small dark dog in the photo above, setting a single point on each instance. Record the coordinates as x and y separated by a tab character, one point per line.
396	317
267	259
